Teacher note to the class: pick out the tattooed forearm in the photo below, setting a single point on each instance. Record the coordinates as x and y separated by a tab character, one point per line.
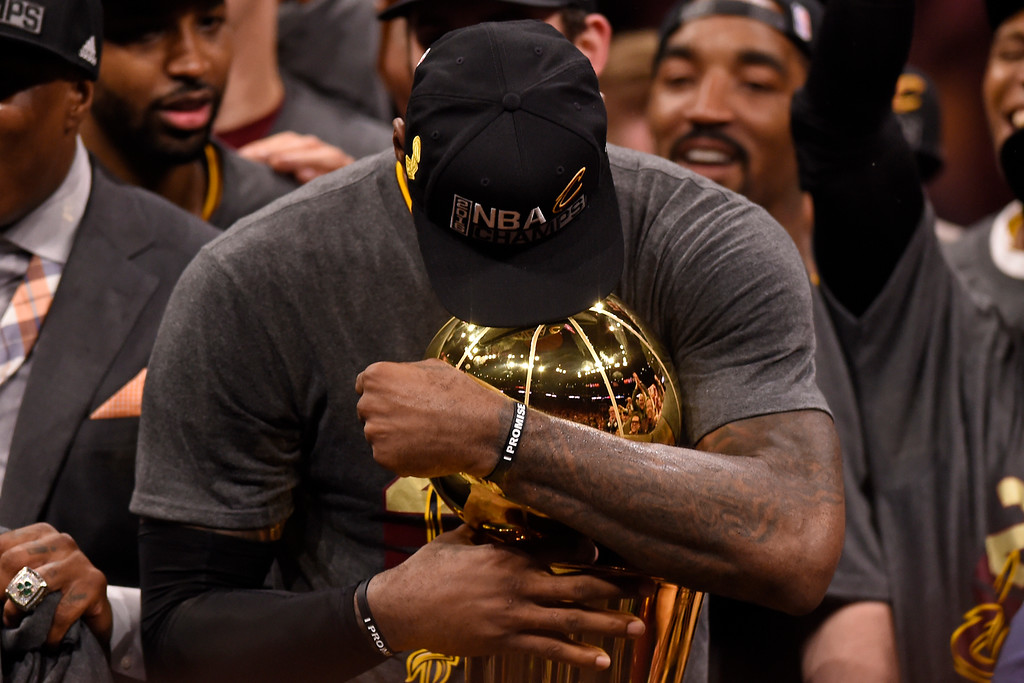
723	514
801	452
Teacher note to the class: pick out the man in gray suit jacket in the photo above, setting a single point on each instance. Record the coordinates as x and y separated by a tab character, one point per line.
86	267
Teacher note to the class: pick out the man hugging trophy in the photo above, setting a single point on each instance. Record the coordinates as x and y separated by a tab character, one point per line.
511	190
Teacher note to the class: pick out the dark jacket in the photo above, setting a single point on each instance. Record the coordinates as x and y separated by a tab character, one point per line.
65	468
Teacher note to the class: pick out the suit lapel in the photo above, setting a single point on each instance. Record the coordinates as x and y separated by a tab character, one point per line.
98	301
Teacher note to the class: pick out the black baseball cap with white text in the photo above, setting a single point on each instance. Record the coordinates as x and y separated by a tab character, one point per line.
797	20
71	30
511	188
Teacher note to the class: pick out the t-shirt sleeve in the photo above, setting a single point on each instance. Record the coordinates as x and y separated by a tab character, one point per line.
742	328
219	436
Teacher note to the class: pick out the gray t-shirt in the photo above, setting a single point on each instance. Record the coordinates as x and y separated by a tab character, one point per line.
939	381
754	643
249	415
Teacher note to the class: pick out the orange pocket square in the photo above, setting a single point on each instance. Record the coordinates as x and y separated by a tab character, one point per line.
127	402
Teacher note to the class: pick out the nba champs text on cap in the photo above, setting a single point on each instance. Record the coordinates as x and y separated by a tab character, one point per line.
512	193
71	30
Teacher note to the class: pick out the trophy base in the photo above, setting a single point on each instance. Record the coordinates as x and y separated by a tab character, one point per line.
659	656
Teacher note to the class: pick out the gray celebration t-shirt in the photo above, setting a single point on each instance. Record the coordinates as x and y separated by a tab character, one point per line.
249	413
940	382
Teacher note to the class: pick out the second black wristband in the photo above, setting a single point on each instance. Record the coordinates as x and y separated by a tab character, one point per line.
366	618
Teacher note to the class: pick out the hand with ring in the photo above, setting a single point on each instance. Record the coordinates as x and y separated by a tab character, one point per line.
27	589
36	560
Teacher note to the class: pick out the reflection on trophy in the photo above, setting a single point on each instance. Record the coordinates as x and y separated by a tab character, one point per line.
600	368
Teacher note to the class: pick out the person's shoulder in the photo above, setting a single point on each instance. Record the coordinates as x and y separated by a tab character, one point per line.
630	166
653	192
646	181
141	213
342	186
332	199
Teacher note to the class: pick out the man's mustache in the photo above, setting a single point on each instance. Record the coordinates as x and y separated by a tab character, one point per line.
704	132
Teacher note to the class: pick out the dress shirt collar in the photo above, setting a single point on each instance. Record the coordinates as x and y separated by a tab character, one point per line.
49	229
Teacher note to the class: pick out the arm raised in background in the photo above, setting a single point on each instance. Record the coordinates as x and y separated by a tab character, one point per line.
853	158
868	200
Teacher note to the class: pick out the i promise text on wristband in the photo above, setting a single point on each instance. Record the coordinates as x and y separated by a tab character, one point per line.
366	619
508	453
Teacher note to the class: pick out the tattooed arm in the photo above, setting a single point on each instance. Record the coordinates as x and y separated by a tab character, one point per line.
754	513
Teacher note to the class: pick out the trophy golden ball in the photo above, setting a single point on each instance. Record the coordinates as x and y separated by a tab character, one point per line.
601	368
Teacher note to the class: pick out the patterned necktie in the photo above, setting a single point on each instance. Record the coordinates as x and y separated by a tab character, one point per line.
21	322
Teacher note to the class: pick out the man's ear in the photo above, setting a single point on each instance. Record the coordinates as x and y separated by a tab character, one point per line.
79	103
398	139
595	41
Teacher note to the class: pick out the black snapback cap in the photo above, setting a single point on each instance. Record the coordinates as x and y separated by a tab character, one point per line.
798	20
511	188
403	7
71	30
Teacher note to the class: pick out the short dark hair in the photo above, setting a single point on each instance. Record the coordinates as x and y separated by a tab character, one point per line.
574	21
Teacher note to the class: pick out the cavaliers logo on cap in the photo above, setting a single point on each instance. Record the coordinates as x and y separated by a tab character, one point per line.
412	163
574	187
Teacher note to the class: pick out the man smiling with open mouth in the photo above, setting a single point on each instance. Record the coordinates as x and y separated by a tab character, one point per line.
724	77
163	77
164	71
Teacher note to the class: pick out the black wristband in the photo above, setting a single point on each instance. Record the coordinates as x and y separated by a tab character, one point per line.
366	619
508	453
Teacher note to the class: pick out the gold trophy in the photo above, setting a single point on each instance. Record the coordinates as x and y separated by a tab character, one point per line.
600	368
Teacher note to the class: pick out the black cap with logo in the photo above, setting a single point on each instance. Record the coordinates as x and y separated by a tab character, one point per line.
511	189
71	30
798	20
403	7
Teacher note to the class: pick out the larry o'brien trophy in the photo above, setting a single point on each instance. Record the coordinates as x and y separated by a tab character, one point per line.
599	368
